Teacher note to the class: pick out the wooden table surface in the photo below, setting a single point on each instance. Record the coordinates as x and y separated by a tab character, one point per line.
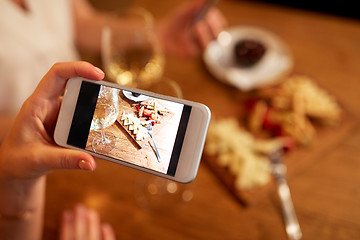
326	191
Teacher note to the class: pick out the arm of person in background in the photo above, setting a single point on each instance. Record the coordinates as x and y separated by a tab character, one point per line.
28	153
177	33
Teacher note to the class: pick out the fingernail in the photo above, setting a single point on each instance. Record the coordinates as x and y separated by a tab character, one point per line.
99	71
84	165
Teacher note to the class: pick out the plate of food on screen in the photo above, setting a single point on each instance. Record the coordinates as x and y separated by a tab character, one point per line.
136	121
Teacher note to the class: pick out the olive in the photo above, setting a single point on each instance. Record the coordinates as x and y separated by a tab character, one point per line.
135	94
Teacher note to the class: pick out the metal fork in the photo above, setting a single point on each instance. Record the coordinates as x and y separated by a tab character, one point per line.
292	226
149	129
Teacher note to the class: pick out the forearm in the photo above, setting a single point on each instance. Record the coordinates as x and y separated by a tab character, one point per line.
28	153
21	208
88	26
5	124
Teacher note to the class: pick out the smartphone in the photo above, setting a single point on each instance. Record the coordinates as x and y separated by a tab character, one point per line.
154	133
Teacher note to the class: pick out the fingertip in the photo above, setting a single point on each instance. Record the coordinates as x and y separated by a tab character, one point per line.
86	162
108	231
86	165
99	72
67	159
88	70
216	21
79	207
67	220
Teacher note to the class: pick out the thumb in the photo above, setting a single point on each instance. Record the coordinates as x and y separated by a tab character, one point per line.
61	158
54	81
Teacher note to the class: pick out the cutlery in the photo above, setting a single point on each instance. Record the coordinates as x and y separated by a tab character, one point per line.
203	11
292	226
149	129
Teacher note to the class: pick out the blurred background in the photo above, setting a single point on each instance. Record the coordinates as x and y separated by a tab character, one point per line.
343	8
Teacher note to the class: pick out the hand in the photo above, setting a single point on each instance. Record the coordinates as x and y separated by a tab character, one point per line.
82	223
28	151
180	37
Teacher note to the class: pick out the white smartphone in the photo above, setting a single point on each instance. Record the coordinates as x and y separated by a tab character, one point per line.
154	133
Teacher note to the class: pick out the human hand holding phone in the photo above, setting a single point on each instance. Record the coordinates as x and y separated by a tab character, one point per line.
28	151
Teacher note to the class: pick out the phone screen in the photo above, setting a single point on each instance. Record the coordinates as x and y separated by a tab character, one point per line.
128	126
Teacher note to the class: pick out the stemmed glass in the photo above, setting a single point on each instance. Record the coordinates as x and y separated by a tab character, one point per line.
131	56
106	113
130	51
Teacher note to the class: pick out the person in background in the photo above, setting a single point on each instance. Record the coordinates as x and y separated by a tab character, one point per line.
28	153
37	33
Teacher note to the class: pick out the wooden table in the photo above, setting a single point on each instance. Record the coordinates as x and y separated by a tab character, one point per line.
326	193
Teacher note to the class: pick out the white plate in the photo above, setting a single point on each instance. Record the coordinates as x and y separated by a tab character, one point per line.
220	60
130	96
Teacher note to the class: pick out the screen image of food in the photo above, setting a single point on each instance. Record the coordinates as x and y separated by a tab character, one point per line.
134	128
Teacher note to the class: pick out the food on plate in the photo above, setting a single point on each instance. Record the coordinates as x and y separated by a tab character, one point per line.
248	52
243	155
136	125
316	102
293	109
151	110
282	116
145	113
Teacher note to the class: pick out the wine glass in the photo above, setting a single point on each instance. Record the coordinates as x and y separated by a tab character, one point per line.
106	113
132	56
130	50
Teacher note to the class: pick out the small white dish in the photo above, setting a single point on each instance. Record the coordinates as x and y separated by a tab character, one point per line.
129	95
219	58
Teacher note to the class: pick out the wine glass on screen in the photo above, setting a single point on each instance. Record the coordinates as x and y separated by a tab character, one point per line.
106	113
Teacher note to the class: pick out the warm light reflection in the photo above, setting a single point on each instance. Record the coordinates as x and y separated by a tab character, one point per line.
224	38
97	200
187	195
152	189
171	187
